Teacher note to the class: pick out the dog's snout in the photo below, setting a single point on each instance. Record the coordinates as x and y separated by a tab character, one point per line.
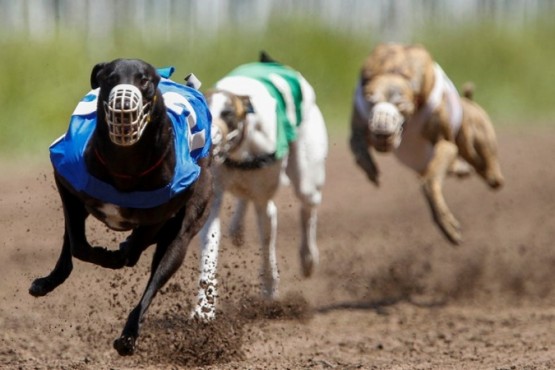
125	105
382	136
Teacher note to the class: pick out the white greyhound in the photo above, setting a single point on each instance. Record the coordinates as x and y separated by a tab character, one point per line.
267	128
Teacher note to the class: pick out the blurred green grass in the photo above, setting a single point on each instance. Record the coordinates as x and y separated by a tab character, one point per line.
42	81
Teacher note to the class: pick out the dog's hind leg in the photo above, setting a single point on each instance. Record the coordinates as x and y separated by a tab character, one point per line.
478	144
492	170
306	169
237	225
460	168
307	182
445	154
267	227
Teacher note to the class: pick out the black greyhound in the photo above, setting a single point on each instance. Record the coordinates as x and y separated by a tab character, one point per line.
136	157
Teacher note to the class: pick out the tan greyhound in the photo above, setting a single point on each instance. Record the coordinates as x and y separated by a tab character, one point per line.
405	104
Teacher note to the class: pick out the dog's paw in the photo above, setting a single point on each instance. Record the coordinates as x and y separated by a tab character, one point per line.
309	262
375	180
237	238
128	256
125	345
374	177
451	228
41	287
460	168
237	233
203	313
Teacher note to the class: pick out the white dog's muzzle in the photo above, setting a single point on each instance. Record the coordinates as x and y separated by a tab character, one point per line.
126	114
386	126
223	140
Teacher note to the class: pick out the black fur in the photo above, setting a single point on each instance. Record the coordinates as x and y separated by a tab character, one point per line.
170	226
266	58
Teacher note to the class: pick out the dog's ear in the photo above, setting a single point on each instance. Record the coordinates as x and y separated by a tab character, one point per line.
208	94
157	78
94	74
247	105
266	58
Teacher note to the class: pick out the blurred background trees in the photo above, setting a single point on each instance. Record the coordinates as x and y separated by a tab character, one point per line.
48	48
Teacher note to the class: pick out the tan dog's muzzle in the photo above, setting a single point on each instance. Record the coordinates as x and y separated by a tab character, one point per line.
386	126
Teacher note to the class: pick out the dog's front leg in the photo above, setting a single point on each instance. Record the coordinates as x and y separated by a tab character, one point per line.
75	215
210	236
267	227
136	243
168	257
444	154
44	285
64	266
361	151
172	242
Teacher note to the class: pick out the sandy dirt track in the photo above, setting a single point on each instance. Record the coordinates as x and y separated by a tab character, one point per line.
390	292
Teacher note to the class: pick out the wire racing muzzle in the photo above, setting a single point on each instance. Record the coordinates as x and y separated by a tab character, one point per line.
386	126
126	114
225	140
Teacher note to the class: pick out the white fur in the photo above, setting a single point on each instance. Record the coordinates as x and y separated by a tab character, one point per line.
304	166
113	219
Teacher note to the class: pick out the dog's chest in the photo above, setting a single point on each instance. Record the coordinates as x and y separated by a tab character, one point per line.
113	217
258	184
415	151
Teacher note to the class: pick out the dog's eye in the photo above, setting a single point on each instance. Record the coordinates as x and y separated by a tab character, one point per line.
144	82
112	79
227	114
373	99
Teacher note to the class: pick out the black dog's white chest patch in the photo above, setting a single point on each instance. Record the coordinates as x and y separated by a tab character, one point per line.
112	216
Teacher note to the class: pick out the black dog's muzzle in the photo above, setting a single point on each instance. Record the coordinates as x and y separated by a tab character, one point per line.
126	114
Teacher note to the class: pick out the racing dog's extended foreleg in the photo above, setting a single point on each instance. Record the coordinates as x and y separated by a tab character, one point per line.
172	243
210	236
75	244
167	258
359	147
432	184
75	215
44	285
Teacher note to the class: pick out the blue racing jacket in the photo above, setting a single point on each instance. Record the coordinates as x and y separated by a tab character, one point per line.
190	117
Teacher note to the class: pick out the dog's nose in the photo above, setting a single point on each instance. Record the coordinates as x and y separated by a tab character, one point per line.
125	106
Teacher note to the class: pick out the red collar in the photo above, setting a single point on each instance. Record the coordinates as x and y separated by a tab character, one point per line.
124	176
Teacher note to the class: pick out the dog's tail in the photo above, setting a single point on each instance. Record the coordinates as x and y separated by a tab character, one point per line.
468	90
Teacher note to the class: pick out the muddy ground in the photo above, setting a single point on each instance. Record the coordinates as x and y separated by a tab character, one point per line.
390	292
